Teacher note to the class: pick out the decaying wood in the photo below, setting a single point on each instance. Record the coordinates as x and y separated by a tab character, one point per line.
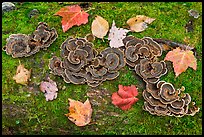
175	44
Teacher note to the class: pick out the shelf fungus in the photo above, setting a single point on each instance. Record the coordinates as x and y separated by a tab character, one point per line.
137	49
21	45
160	97
151	71
81	63
163	100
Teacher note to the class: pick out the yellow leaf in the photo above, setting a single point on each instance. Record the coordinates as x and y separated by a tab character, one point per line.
99	27
22	75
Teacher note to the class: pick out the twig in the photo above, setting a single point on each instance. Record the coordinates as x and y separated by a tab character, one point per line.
175	45
89	9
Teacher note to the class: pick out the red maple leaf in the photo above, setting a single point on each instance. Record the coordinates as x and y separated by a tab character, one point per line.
182	59
125	97
72	15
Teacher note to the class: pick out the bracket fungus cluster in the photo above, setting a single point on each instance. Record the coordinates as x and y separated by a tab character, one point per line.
21	45
163	99
81	63
160	97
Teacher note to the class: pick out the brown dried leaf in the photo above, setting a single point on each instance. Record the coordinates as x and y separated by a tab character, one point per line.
22	75
99	27
139	23
166	47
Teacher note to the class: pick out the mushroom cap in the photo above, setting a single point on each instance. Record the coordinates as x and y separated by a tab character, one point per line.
144	51
128	38
73	67
88	48
131	56
77	56
150	71
153	90
63	50
94	84
110	61
111	75
17	45
44	35
187	98
41	33
151	100
160	111
133	42
193	110
55	65
71	45
178	104
156	49
176	110
73	78
97	71
90	37
149	108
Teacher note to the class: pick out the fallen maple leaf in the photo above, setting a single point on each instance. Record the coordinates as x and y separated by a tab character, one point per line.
49	88
139	23
22	75
72	15
125	97
116	36
99	27
79	113
182	59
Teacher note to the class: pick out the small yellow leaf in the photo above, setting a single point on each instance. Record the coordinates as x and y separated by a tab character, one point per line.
99	27
22	75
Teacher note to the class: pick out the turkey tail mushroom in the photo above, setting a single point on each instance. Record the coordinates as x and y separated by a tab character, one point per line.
162	99
21	45
82	63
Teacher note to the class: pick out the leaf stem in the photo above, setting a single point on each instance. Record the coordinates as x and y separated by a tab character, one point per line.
89	9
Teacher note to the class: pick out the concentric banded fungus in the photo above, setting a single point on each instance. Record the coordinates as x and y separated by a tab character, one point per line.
81	63
112	59
163	100
56	66
17	45
150	71
21	45
137	49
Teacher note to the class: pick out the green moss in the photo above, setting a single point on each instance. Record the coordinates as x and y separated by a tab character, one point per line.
27	112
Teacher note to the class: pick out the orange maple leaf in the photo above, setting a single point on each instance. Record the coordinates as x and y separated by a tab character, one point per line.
182	59
22	75
79	113
72	15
